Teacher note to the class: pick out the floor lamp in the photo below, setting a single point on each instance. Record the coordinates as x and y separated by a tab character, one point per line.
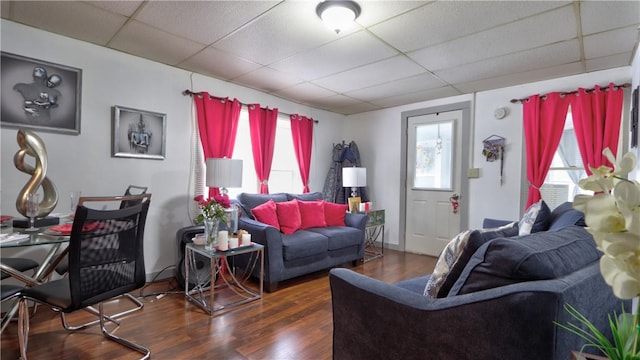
354	177
224	173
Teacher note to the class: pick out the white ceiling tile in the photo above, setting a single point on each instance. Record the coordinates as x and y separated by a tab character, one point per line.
375	11
348	52
563	53
609	62
559	25
403	86
142	40
288	29
607	15
76	20
303	92
267	79
372	74
356	108
126	8
218	64
610	42
202	21
447	20
418	96
334	101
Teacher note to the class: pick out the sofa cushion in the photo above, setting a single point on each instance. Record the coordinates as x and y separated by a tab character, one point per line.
303	243
334	213
477	238
311	214
312	196
565	215
266	213
539	256
250	201
457	253
340	236
288	216
535	219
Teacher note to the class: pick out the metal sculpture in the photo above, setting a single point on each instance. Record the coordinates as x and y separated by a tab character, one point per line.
31	144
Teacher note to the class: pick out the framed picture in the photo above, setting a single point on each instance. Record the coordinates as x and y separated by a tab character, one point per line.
138	133
39	95
354	204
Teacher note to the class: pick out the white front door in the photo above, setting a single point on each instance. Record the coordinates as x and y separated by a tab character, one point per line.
433	181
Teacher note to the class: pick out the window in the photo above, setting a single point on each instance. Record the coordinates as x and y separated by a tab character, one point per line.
561	183
284	177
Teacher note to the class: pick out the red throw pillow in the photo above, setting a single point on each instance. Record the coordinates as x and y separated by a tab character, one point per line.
334	213
288	216
266	213
312	214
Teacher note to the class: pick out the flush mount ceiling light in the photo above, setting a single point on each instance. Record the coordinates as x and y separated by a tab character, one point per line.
337	14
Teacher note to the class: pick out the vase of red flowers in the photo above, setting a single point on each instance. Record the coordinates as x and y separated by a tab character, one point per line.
213	211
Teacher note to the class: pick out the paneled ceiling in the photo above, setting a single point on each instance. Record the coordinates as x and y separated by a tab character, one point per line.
398	52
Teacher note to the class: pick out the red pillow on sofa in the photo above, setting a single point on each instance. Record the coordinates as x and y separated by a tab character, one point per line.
334	213
311	214
266	213
288	216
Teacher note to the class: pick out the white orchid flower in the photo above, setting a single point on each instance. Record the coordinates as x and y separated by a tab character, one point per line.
601	180
624	285
627	197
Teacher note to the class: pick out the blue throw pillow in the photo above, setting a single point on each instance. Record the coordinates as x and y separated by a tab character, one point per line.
535	219
565	215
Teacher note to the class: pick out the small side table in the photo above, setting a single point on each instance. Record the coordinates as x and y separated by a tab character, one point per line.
237	284
374	229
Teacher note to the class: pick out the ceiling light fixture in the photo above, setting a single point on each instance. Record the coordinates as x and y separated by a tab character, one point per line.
338	14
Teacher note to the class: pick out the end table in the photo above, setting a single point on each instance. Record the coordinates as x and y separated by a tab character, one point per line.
374	229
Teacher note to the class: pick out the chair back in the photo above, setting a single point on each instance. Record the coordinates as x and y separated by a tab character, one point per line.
106	253
132	190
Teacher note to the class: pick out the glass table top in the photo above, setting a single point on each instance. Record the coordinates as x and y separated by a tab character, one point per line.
16	237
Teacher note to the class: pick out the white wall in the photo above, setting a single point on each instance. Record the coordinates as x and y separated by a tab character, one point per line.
377	134
84	162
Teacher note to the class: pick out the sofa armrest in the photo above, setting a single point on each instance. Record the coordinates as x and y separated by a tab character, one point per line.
488	223
358	221
510	322
271	239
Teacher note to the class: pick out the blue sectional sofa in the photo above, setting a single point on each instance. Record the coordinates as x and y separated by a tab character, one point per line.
502	305
305	250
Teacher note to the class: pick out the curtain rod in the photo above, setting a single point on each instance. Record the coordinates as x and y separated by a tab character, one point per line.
574	92
191	93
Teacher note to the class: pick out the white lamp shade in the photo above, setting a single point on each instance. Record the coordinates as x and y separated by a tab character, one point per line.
354	177
224	172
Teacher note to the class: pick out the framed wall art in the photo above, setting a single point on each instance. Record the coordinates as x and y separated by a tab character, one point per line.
39	95
138	133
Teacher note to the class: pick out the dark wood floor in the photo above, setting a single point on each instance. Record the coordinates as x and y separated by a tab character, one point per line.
294	322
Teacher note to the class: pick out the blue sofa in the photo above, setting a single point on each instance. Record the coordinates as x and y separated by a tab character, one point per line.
502	306
304	251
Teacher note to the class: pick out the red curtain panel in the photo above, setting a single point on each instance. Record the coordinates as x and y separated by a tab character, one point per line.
262	125
302	133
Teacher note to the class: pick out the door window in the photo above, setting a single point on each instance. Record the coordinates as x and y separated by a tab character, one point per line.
433	162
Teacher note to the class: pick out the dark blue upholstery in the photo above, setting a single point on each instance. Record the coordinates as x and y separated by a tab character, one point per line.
305	197
565	215
303	243
249	201
339	236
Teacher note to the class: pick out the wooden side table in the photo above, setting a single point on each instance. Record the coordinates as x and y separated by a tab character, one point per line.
577	355
374	229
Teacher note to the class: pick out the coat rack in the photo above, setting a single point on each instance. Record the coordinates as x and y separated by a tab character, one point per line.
493	149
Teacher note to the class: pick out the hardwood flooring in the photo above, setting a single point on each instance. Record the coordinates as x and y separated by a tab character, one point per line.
294	322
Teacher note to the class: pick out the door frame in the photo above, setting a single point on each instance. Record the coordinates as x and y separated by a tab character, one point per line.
465	128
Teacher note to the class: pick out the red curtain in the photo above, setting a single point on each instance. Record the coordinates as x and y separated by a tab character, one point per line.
218	125
543	125
596	119
262	124
302	133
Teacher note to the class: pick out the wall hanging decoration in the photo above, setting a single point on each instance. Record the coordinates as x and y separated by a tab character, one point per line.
493	149
138	133
39	95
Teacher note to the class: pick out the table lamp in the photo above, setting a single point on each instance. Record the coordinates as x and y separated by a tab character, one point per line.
223	173
354	177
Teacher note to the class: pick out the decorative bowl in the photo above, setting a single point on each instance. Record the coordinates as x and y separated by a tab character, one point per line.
198	239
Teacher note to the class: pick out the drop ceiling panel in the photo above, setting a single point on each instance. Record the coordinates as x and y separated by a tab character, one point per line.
605	15
609	62
403	86
372	74
357	108
76	20
559	25
339	101
219	64
609	42
202	21
288	29
304	92
447	20
345	53
377	11
126	8
419	96
267	79
563	53
139	39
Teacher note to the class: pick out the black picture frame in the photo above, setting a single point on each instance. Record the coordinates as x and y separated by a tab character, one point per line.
138	133
39	95
635	116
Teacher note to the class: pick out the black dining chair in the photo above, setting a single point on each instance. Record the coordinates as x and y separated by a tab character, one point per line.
13	267
106	260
